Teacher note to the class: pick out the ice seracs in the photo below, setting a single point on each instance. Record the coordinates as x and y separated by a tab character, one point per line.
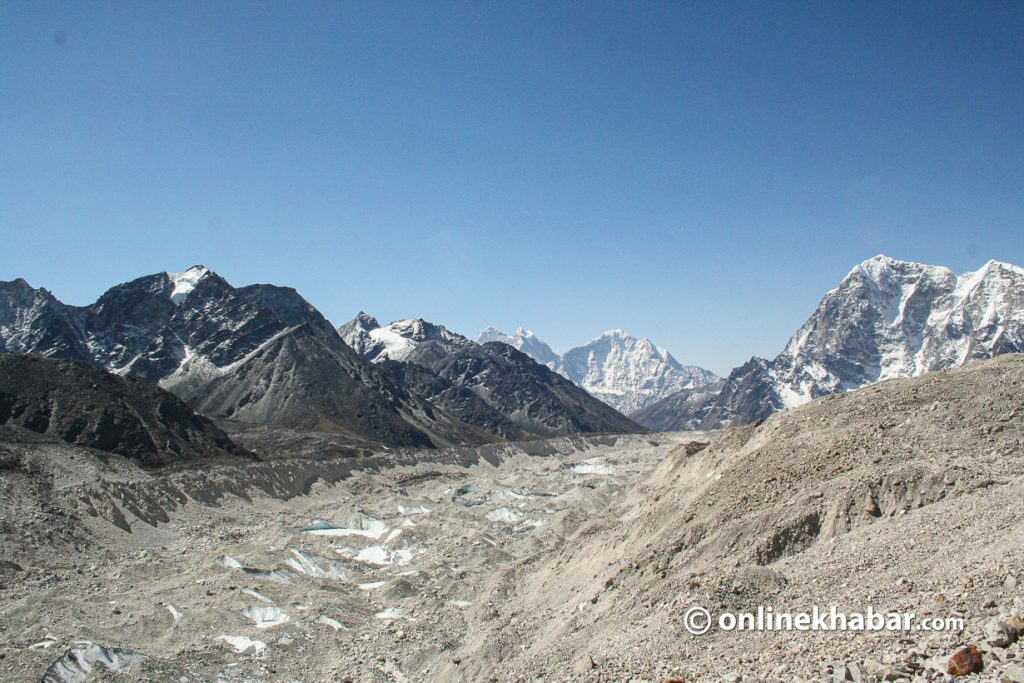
244	645
266	616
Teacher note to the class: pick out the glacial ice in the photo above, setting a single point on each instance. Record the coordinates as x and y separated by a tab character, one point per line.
245	646
266	617
79	661
361	526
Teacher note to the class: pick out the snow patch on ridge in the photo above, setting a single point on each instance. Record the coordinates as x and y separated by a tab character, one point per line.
185	282
394	345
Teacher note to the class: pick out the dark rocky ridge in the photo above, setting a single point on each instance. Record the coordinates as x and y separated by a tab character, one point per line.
695	403
491	386
537	399
457	401
262	356
83	405
34	321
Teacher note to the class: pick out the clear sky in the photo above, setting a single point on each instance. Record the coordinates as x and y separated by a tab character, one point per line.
697	173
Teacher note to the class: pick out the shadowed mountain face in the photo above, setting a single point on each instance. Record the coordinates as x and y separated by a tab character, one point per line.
664	415
34	321
287	304
158	325
459	402
87	406
261	355
539	400
306	378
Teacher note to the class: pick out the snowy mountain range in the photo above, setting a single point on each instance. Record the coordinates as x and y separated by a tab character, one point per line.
262	356
625	372
886	319
532	396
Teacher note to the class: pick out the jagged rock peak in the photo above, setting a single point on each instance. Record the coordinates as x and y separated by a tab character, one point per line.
365	320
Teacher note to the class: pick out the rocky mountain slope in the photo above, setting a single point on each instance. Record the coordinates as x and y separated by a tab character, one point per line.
522	396
682	410
625	372
458	401
892	496
537	399
83	405
34	321
886	319
303	378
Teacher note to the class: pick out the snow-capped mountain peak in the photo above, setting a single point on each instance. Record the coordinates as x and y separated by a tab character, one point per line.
493	334
366	321
525	341
185	282
396	340
625	372
886	319
885	272
629	373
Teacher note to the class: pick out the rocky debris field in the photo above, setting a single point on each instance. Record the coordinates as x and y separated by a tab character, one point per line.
375	576
569	559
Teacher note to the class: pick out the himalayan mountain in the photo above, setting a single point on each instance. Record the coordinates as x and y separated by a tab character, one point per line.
887	319
261	356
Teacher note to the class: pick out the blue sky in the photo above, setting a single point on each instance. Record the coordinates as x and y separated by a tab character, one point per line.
698	173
